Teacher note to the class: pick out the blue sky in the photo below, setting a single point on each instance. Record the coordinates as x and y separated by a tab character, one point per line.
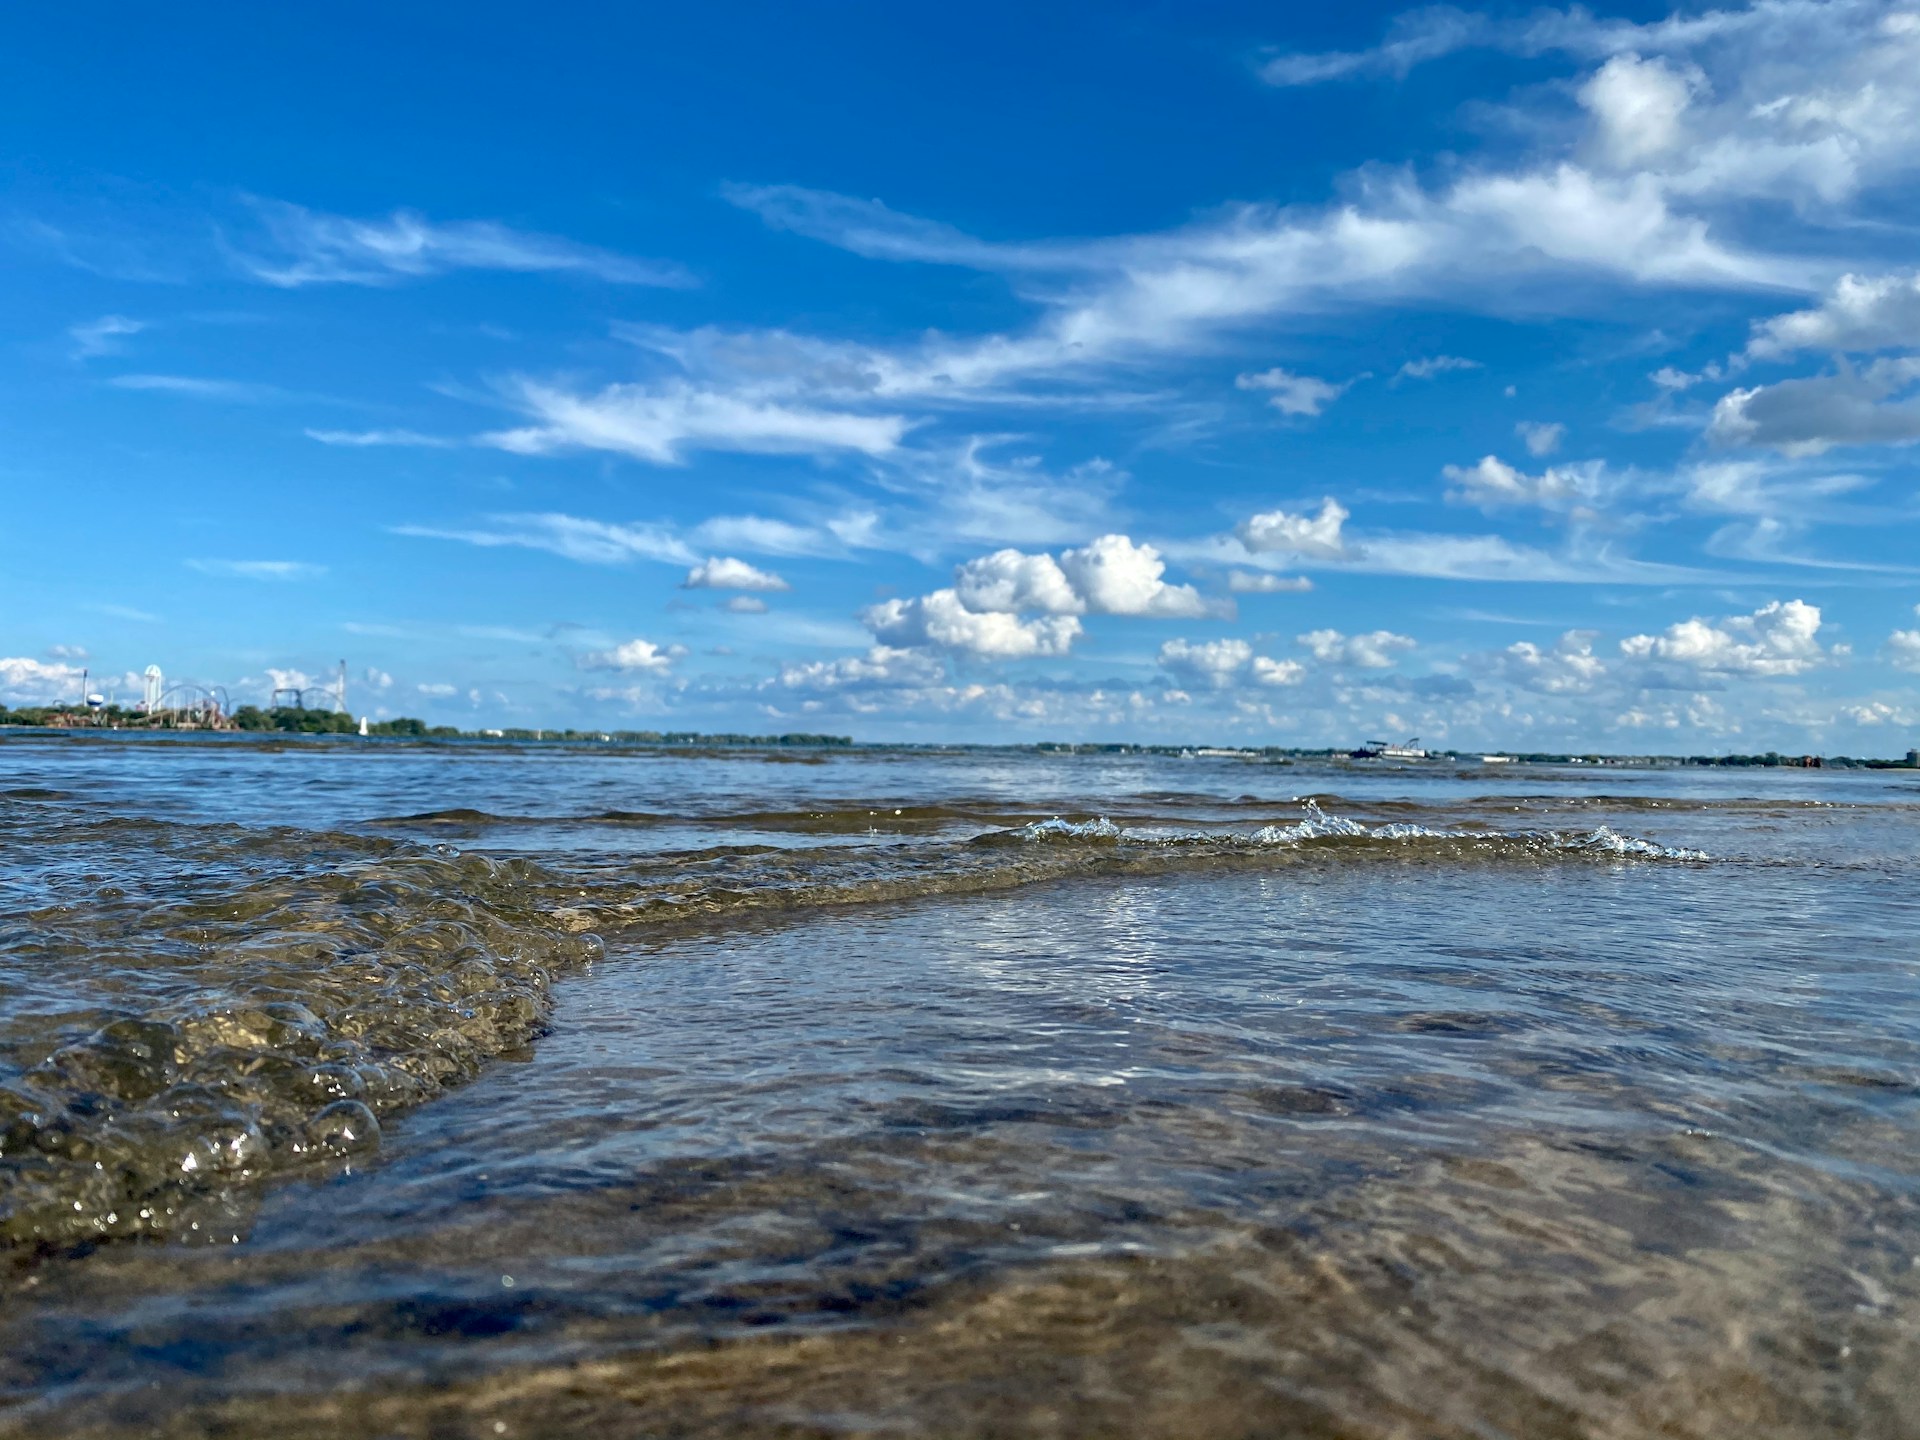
1521	378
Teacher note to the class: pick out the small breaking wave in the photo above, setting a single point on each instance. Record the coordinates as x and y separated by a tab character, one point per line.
1318	825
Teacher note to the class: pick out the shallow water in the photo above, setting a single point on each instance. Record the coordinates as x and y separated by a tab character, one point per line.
529	1090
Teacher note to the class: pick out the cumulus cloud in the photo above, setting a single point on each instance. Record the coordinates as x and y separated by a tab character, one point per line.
1780	638
1493	483
26	681
1376	650
66	652
293	246
1217	664
1293	394
1112	575
1569	668
1877	405
941	621
726	573
1267	671
881	665
1015	582
633	656
1860	314
1280	532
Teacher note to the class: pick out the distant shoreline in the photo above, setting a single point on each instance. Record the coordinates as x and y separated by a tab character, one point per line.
415	732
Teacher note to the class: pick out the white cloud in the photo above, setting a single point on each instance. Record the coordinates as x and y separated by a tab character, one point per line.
1876	405
1637	107
1542	437
1134	297
1493	483
1294	394
881	665
1570	667
1375	650
1903	647
1114	576
93	338
940	621
200	388
1429	366
66	652
1674	380
766	535
362	439
437	690
656	425
1316	536
643	656
1412	39
1277	672
1111	575
25	681
378	679
295	246
1246	582
1214	663
1860	314
258	569
745	605
726	573
594	542
1879	712
1778	639
1015	582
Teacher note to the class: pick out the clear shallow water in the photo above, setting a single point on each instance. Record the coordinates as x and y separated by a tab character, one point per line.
1512	1115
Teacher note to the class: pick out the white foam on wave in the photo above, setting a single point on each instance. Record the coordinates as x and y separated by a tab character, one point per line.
1317	824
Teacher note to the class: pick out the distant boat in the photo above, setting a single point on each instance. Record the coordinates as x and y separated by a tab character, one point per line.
1382	750
1496	759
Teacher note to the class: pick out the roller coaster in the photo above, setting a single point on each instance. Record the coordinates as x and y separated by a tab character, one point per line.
187	707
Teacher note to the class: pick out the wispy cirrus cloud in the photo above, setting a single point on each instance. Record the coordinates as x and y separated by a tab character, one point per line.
200	387
592	542
366	439
105	336
290	246
279	570
603	542
659	425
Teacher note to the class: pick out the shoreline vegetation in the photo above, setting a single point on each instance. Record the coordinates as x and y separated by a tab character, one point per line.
253	720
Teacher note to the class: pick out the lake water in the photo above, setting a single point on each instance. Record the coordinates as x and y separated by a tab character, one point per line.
355	1088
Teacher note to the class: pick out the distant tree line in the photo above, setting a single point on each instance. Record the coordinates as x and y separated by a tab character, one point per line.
292	720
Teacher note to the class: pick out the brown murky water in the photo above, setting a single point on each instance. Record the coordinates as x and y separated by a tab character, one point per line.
493	1090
